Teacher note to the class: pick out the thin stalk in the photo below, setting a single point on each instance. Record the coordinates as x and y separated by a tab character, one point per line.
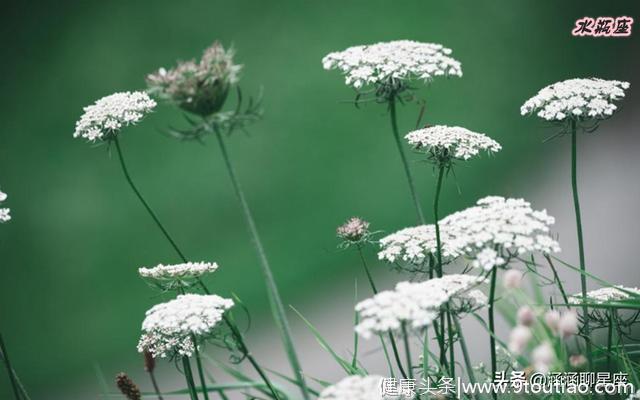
386	356
407	350
452	359
154	382
275	301
7	363
465	351
610	317
144	202
366	270
436	202
243	348
188	375
203	382
403	157
492	328
394	346
576	206
396	354
557	279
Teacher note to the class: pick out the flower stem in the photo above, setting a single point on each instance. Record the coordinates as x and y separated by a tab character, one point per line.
492	328
610	317
203	382
275	301
154	382
7	363
576	206
188	374
243	348
144	202
465	351
436	203
403	157
394	346
407	350
452	359
366	269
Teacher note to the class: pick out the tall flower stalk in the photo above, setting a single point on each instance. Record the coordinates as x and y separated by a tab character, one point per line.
201	88
577	103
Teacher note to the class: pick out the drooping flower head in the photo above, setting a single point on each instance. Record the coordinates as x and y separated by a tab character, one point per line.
416	305
392	64
169	277
444	144
354	387
106	117
200	87
410	248
606	295
5	213
577	99
169	328
497	229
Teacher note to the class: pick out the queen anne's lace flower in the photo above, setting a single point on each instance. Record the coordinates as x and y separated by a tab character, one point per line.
354	388
498	228
169	328
578	99
178	271
444	143
111	113
414	304
605	295
200	87
414	245
5	213
354	230
397	60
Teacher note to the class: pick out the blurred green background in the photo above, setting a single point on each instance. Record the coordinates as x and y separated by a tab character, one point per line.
69	294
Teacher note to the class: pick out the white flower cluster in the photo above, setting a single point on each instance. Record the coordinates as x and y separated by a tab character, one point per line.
397	60
354	388
109	114
605	295
414	245
169	328
5	213
499	227
414	304
576	99
178	271
451	142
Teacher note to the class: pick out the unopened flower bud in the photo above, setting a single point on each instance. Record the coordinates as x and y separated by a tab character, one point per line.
519	338
568	324
512	279
543	357
552	318
127	387
353	230
526	316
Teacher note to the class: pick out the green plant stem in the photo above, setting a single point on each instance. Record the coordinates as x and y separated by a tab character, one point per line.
407	350
154	382
188	374
243	348
403	157
144	202
452	359
203	382
492	328
394	346
610	337
436	203
465	351
366	270
275	301
557	279
7	363
576	206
